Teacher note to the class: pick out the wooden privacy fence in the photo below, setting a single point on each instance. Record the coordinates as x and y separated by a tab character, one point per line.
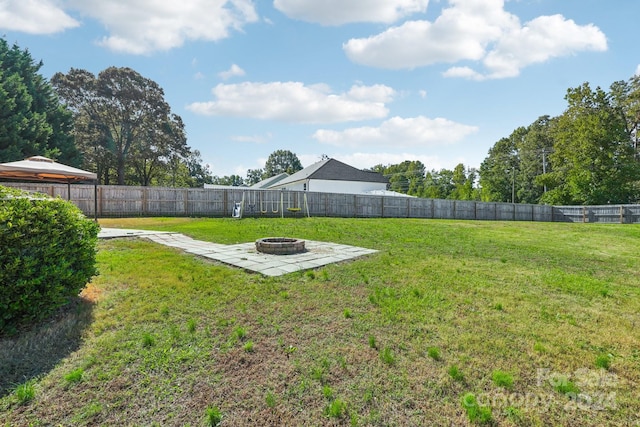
121	201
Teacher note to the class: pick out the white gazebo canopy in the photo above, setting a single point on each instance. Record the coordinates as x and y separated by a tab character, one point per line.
38	168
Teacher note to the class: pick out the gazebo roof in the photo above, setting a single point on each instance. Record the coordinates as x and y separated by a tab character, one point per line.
40	168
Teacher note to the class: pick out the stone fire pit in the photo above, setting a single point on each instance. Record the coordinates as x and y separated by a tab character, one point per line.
280	245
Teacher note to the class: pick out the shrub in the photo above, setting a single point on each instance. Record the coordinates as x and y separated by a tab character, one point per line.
47	255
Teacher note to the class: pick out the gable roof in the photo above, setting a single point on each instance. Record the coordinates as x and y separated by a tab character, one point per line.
334	170
268	182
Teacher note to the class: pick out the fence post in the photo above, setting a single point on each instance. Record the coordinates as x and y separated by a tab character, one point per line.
621	214
145	201
355	206
584	214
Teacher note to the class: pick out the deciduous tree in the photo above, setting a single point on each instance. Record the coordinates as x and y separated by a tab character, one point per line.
123	120
281	161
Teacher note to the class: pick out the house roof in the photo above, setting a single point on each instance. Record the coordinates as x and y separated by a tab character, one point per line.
333	170
268	182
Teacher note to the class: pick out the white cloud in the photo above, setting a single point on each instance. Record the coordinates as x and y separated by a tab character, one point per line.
539	40
34	17
234	71
198	76
296	103
638	70
145	26
399	132
338	12
255	139
476	30
422	93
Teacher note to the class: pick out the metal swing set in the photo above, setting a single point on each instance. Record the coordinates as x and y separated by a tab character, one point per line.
267	202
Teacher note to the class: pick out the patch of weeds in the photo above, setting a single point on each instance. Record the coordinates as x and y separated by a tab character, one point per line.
434	353
310	274
148	340
223	323
564	386
324	275
270	399
213	416
498	306
327	392
604	292
248	347
89	362
539	348
603	361
354	421
368	395
317	373
372	342
74	376
191	325
87	412
164	311
342	361
502	379
239	332
174	331
25	392
418	293
347	313
387	356
284	295
336	409
475	412
455	373
289	350
514	414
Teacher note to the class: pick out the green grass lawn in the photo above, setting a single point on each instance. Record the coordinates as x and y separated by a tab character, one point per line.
450	323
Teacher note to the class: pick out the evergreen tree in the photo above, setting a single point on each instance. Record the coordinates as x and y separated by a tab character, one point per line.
32	120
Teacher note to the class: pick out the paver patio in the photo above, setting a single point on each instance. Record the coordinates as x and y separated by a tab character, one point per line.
245	255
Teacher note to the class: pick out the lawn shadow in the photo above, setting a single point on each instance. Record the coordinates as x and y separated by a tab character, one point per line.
36	350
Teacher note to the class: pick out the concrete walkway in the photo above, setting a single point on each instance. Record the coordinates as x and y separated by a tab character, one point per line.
245	255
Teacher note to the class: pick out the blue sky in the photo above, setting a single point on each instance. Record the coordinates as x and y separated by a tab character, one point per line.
362	81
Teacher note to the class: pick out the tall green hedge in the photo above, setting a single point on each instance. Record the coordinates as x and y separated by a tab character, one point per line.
47	255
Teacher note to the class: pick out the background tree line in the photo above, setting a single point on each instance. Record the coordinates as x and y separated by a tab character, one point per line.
589	154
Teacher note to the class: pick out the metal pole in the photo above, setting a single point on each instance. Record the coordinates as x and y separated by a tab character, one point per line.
544	165
95	200
513	185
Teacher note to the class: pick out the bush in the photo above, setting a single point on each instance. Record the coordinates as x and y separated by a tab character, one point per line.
47	255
